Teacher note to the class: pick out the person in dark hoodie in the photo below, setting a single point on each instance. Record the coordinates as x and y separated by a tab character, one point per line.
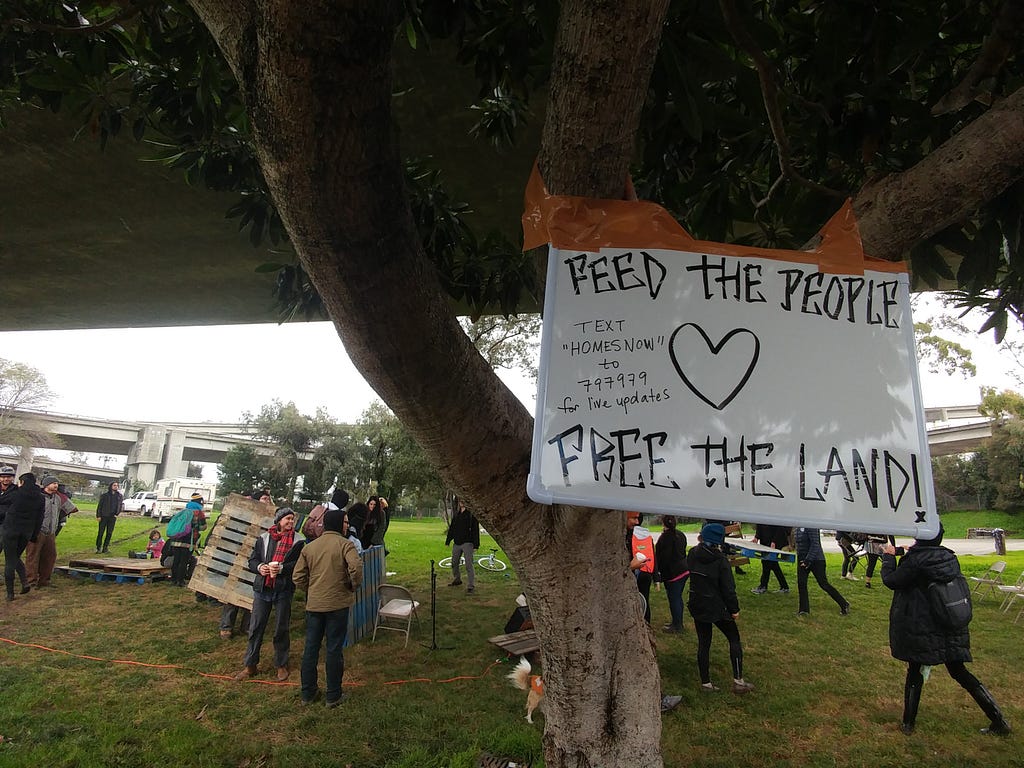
22	523
670	557
713	603
108	508
917	637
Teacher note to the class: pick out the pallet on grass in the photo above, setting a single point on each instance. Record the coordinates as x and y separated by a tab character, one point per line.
80	572
519	643
126	565
222	569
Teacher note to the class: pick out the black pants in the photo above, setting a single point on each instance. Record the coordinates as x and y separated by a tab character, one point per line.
107	527
14	547
643	583
732	634
180	565
769	567
816	567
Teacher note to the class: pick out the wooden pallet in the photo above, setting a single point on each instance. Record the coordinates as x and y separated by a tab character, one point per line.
78	572
517	643
125	565
222	570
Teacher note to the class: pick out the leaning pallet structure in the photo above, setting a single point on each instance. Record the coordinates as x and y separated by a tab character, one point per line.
222	570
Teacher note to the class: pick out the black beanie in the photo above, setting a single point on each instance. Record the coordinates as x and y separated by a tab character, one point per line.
937	541
334	519
339	498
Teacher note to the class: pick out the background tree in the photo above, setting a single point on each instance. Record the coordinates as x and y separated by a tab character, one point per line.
243	471
194	470
506	342
291	432
962	481
1005	449
22	387
751	125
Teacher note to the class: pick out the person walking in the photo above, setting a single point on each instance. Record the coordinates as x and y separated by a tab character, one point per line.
330	572
183	533
107	509
917	637
713	603
811	560
776	537
273	560
670	557
22	522
848	546
464	536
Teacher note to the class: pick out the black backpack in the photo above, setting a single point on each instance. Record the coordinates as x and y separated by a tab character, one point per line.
950	602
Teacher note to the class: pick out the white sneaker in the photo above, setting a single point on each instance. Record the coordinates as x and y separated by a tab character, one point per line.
851	577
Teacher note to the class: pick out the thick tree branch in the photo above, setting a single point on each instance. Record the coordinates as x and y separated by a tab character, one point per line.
947	186
228	22
768	76
1005	39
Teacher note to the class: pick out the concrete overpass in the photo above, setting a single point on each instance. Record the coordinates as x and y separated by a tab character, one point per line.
153	450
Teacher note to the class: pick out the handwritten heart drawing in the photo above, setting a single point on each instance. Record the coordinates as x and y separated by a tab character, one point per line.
707	377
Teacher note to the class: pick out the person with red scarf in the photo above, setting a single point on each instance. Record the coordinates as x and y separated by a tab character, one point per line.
273	560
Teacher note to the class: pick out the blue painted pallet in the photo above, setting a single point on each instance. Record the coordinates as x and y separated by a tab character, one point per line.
117	578
363	614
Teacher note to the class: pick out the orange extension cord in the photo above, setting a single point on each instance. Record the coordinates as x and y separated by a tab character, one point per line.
129	662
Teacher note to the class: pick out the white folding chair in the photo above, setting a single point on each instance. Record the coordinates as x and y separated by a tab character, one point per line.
397	607
1010	590
990	581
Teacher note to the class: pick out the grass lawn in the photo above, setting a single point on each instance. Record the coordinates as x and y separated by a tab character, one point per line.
105	674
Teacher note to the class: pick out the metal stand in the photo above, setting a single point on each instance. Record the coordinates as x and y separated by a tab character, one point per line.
433	614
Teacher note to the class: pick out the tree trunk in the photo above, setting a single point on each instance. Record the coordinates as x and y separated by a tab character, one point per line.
318	90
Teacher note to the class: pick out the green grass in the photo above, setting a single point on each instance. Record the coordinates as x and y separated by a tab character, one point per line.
828	693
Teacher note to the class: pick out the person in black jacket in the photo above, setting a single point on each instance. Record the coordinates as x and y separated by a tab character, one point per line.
110	505
917	637
22	522
713	603
464	536
811	560
670	558
776	537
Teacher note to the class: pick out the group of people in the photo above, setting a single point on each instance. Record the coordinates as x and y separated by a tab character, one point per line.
324	561
31	517
918	635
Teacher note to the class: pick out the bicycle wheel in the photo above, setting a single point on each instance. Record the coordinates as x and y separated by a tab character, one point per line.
489	564
444	562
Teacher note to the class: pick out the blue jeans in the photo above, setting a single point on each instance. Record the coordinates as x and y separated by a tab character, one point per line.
674	593
334	626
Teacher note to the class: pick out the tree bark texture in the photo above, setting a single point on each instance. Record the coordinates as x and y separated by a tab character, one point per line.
317	81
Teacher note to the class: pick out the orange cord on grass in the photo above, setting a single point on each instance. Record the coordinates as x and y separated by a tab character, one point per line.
132	663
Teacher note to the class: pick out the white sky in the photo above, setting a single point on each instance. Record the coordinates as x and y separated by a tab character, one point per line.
148	374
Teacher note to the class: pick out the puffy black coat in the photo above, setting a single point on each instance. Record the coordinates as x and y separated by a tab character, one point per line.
914	633
25	513
670	553
712	587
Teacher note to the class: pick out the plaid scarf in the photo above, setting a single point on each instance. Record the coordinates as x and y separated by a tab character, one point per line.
284	541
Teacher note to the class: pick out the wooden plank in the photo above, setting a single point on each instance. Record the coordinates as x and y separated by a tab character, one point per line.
120	565
517	643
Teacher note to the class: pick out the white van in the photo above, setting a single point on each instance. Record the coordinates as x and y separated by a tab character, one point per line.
173	493
143	502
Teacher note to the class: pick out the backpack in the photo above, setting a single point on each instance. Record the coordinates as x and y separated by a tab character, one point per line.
314	525
180	524
950	602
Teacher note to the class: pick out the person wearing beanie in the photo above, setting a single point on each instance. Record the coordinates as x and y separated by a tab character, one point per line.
713	603
23	521
330	572
810	560
272	560
107	509
916	635
41	554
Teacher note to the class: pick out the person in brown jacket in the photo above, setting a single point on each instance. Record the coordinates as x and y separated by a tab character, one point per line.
330	572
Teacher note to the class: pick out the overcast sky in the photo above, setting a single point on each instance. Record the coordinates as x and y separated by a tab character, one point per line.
215	373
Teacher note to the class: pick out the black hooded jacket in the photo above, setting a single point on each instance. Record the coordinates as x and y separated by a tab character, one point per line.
25	513
914	633
712	587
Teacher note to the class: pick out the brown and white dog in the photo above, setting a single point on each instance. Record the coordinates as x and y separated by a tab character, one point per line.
524	681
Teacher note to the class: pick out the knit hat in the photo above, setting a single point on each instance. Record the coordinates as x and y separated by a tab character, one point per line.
7	470
282	513
197	497
47	480
712	533
334	520
339	498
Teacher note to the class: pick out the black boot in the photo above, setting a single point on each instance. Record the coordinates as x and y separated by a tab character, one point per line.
911	700
989	707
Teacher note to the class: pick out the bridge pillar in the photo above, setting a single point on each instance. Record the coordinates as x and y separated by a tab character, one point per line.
25	456
174	464
145	457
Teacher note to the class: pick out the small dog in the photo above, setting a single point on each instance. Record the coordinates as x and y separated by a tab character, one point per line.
524	681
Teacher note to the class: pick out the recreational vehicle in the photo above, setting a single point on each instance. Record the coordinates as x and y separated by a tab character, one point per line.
173	493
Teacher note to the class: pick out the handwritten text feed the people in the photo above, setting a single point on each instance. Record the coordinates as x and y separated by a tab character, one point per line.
731	387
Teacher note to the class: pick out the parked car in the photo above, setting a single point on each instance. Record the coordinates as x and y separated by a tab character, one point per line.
143	502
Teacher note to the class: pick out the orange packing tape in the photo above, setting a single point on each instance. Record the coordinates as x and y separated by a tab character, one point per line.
589	224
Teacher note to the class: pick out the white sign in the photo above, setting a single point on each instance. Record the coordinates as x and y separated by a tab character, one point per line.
731	387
